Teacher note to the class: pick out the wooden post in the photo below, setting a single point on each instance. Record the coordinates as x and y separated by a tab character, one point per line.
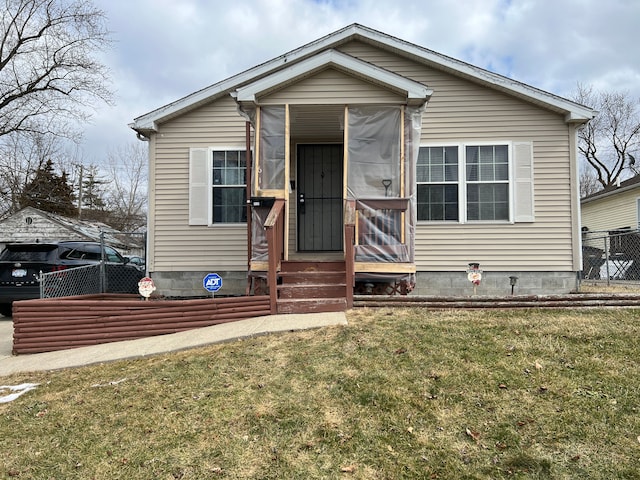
248	195
349	258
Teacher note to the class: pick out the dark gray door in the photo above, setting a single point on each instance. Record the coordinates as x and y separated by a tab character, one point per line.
319	191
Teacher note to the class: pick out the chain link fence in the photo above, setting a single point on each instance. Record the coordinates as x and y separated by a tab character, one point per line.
89	280
100	277
611	255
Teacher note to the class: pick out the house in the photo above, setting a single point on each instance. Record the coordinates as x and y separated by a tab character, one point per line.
366	153
610	222
612	208
31	224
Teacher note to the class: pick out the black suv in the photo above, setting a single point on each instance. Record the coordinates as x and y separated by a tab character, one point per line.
22	263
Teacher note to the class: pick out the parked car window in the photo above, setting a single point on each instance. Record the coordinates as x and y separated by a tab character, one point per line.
26	254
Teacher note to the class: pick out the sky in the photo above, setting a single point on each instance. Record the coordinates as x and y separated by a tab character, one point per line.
164	50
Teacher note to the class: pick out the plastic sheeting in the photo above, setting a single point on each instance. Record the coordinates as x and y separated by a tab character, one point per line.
386	212
374	152
259	247
271	173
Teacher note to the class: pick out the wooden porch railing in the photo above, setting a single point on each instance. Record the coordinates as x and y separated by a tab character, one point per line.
274	226
350	260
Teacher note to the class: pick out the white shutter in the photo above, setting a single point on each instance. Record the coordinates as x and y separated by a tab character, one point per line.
523	173
198	186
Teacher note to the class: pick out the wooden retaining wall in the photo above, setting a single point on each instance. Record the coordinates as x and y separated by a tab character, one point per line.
571	300
50	324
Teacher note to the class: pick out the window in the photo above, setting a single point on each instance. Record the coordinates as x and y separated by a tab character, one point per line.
487	182
437	174
229	186
463	183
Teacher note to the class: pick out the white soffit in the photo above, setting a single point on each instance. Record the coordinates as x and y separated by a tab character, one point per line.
416	93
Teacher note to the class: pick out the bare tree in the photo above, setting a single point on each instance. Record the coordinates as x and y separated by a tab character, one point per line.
48	67
608	142
127	194
588	183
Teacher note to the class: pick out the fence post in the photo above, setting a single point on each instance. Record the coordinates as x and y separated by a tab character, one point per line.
607	241
103	270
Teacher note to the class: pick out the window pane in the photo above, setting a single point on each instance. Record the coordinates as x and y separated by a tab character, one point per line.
486	173
422	173
437	173
501	154
502	171
488	202
451	173
486	154
229	205
438	202
472	172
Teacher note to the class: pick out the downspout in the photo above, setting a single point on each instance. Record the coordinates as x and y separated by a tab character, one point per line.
248	160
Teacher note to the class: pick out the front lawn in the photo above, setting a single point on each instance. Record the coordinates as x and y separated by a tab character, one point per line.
398	393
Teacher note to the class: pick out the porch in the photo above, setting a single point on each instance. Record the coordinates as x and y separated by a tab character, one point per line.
307	282
331	182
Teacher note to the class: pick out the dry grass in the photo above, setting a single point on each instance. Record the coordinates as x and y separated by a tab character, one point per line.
399	393
615	287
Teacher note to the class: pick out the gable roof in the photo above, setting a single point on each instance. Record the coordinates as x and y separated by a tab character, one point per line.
625	186
573	112
416	92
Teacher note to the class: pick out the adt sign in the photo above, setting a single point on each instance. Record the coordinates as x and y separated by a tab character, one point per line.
212	282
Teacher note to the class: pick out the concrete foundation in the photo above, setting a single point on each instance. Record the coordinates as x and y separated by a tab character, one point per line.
189	284
495	283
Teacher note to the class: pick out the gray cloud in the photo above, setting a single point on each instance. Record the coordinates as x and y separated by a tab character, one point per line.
166	49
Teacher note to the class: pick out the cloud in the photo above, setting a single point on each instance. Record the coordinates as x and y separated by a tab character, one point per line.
166	49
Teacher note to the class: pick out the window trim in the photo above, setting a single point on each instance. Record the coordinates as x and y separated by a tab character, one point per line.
462	182
201	185
211	186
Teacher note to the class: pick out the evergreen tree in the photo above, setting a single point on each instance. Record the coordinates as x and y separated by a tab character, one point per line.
49	191
93	204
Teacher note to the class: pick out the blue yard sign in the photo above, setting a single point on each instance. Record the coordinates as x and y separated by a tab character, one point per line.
212	282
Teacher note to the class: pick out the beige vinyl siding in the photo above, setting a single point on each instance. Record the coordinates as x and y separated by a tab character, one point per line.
331	86
609	213
462	111
458	112
176	246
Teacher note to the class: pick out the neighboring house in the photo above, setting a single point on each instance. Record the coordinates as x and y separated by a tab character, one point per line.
431	163
615	207
610	221
31	224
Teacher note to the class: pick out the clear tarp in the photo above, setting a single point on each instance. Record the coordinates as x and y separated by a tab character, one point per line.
385	202
374	152
272	163
270	170
259	248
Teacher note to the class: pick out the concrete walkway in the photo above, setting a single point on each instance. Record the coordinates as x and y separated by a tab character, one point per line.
107	352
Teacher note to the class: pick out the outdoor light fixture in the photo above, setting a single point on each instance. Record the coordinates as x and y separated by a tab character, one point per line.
512	281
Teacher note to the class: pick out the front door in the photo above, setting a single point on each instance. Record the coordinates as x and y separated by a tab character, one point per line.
320	172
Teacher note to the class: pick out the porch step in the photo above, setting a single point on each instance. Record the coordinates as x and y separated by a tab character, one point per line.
317	305
312	290
312	277
307	287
